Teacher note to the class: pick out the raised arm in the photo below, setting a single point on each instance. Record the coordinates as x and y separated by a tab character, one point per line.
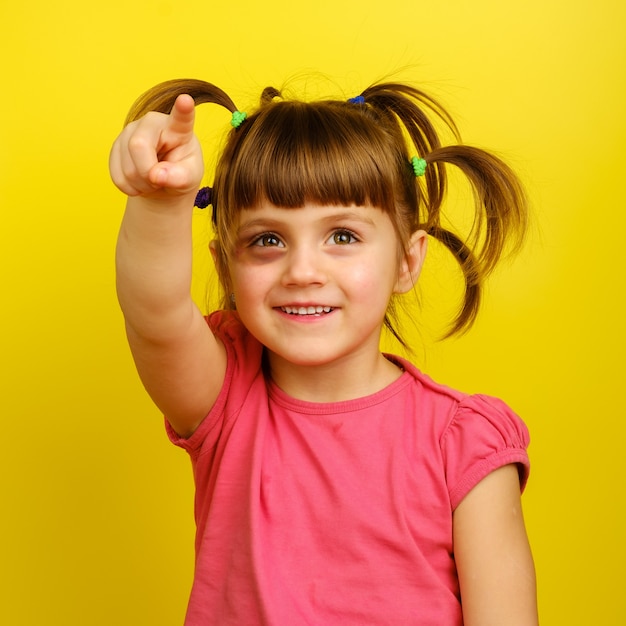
157	162
493	557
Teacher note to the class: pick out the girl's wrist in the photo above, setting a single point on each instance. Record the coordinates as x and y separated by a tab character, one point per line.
160	202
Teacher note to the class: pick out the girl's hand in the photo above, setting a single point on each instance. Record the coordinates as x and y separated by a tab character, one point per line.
159	155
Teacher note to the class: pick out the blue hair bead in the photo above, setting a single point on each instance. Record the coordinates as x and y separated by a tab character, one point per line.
357	100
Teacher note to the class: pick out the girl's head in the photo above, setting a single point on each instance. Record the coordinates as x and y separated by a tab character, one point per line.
357	152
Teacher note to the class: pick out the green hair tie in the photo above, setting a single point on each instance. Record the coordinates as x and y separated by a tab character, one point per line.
238	118
419	166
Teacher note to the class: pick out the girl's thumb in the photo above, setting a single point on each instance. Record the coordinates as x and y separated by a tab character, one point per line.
171	176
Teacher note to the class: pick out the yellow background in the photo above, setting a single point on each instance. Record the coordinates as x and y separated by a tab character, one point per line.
96	524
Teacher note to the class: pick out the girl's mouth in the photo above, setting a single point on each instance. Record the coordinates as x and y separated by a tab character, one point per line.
306	310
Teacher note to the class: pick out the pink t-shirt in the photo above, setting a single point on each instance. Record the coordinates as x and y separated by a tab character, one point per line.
340	513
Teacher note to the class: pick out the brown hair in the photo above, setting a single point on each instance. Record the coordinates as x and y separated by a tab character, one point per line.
344	152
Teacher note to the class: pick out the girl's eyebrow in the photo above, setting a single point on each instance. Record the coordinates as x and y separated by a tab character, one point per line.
350	216
271	223
259	222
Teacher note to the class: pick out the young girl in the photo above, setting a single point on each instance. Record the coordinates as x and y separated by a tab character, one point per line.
334	484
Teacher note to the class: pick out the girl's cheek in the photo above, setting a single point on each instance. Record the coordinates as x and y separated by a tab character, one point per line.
250	278
369	277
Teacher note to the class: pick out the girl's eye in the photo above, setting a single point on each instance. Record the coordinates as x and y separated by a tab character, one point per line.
342	237
267	240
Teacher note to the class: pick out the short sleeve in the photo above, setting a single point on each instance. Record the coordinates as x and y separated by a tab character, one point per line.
483	435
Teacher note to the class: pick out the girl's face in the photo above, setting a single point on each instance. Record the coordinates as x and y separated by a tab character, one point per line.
313	284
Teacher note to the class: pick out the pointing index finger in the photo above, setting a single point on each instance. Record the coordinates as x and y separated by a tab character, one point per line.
182	116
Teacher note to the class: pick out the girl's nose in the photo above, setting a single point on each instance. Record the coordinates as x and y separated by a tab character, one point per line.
304	267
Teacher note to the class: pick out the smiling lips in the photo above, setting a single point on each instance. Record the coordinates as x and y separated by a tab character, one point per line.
306	310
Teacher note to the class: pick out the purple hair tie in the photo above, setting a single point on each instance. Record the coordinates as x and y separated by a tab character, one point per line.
204	197
357	100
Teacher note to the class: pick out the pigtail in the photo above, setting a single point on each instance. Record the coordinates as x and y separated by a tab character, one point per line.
501	216
269	94
499	227
472	276
500	207
161	97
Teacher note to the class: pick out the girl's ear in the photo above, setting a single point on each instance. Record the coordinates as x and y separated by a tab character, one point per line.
213	250
412	261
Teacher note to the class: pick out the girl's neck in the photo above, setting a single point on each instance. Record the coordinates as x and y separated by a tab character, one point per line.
345	379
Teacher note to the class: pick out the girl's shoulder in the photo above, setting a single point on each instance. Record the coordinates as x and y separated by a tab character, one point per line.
461	405
476	433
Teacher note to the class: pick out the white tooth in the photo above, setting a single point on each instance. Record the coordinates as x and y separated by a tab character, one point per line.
303	310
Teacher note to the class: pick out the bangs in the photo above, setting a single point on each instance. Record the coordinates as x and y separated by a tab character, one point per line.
331	153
